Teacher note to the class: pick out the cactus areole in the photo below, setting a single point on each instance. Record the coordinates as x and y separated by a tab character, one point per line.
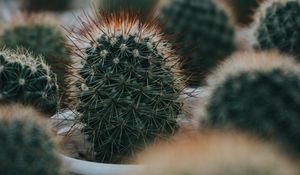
130	85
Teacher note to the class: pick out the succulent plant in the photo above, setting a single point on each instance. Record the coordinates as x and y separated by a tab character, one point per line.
144	8
204	31
130	86
259	93
26	146
277	26
45	5
40	36
26	79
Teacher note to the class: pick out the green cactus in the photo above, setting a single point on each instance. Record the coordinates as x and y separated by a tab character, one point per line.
26	147
141	7
204	32
263	102
243	10
41	38
28	80
46	5
278	26
130	89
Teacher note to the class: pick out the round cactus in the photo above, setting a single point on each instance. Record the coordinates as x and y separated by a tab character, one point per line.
204	33
26	147
258	93
41	37
28	80
277	26
46	5
130	86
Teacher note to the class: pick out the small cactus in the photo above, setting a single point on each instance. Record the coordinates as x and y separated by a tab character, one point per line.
258	93
45	5
26	79
130	86
277	26
40	36
204	32
215	153
26	146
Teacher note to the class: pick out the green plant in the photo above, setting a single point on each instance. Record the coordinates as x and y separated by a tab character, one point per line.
129	86
262	99
46	5
143	8
40	36
26	146
204	31
277	26
28	80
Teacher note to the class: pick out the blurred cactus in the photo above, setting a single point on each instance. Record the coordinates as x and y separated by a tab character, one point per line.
45	5
204	30
277	26
258	93
40	36
129	86
28	80
26	146
142	8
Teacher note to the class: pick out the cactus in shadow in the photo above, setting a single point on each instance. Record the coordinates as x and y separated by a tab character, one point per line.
45	5
204	31
26	146
277	26
26	79
259	93
130	86
40	36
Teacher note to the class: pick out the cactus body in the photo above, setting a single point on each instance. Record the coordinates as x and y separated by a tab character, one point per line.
278	26
28	80
204	33
129	95
26	147
263	100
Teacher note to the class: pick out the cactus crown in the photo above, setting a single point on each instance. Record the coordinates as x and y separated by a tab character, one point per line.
27	147
205	40
277	26
129	86
26	79
261	101
40	35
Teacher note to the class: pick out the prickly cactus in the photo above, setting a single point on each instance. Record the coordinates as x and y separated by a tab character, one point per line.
26	146
40	36
204	32
26	79
130	86
258	93
277	26
45	5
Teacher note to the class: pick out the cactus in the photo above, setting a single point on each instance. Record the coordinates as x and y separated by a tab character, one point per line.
28	80
277	26
26	146
40	36
204	30
130	86
46	5
143	8
258	93
215	153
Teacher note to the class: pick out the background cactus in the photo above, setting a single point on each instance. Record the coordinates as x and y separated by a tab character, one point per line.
26	147
129	95
262	99
28	80
144	8
46	5
277	26
40	36
204	31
